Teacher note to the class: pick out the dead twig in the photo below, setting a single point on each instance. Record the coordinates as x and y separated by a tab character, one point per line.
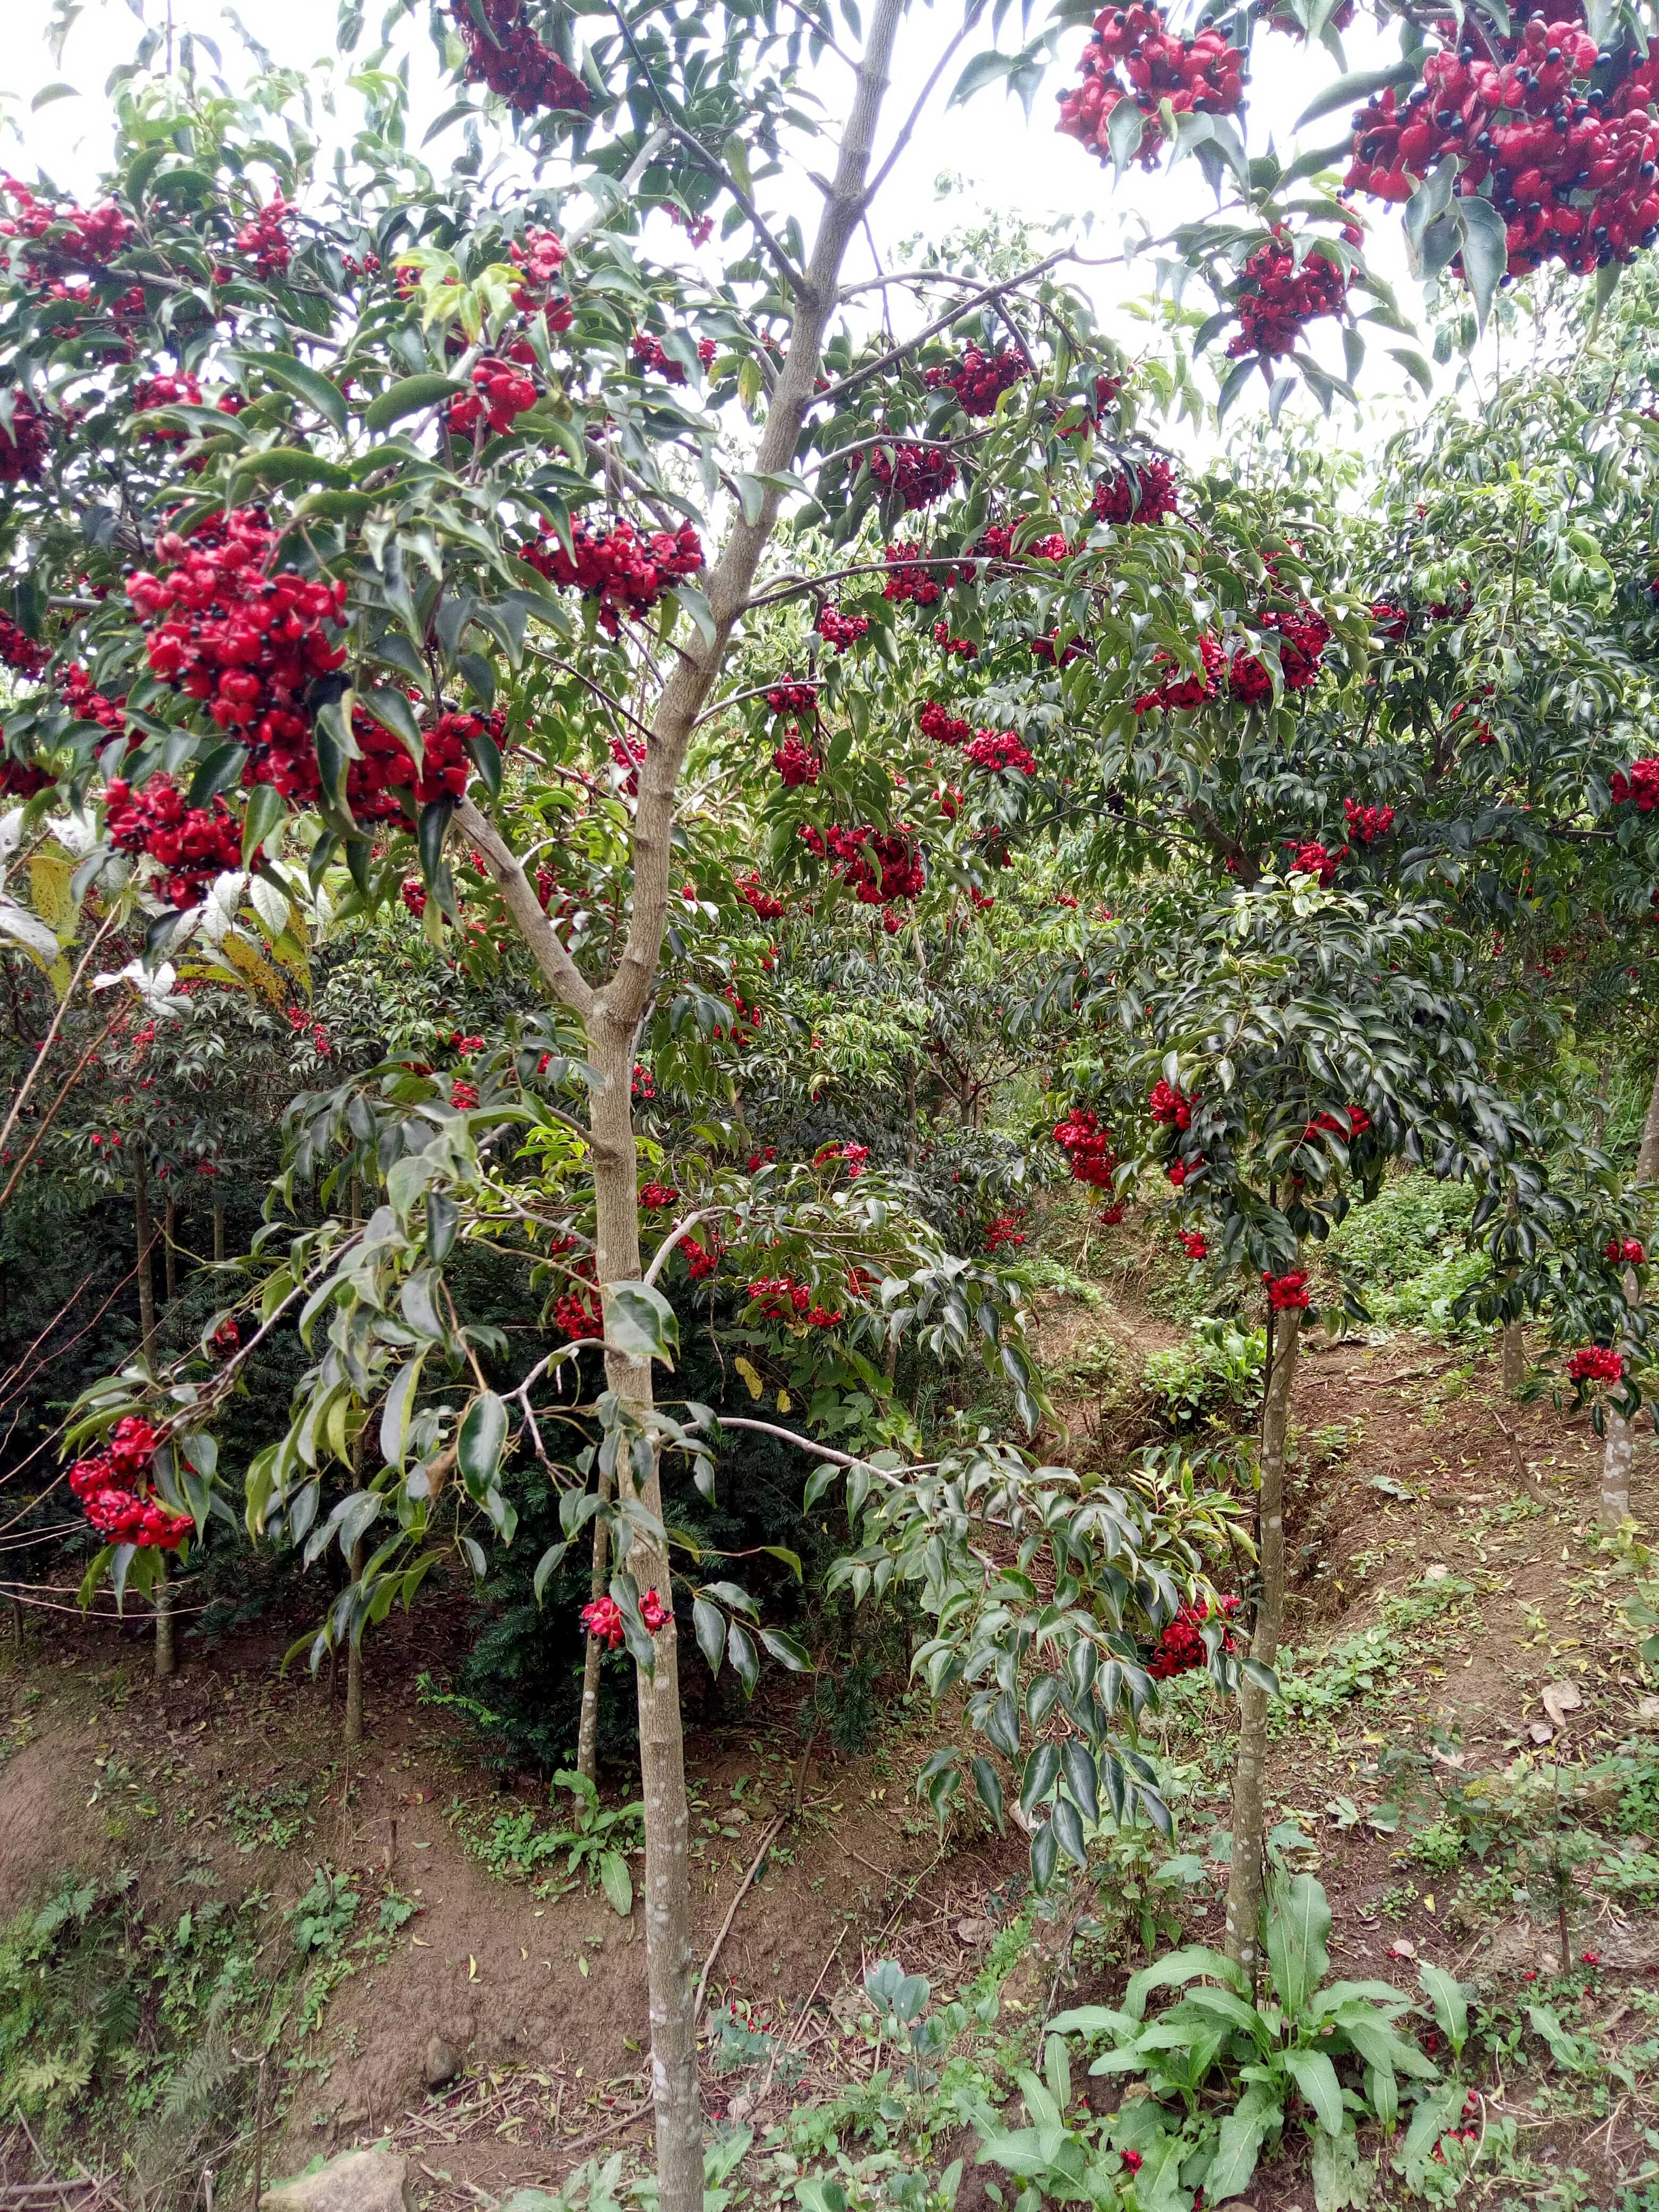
756	1864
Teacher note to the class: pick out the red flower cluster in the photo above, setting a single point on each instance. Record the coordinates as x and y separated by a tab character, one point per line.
647	352
1043	648
1140	491
115	1488
1005	1230
701	1261
657	1195
1303	635
19	651
919	474
796	762
602	1617
1131	56
979	379
763	901
793	698
87	238
89	705
910	578
1562	132
854	1157
24	443
1641	784
1194	1245
652	1611
1181	1647
1596	1363
999	752
1182	693
1627	1250
1276	300
1351	1122
508	57
962	648
574	1314
876	865
1171	1107
1088	1148
838	630
626	571
1287	1292
194	844
1366	824
941	727
779	1298
500	395
1311	859
266	239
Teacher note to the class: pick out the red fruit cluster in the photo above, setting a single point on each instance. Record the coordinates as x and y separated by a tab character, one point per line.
20	779
1596	1363
877	866
413	894
1194	1245
701	1261
979	379
248	644
1182	693
115	1488
1181	1647
1303	634
1352	1121
1310	858
1043	648
500	395
87	704
19	651
194	844
602	1617
652	1611
1088	1148
1366	824
24	443
1005	1230
226	1338
541	255
658	1196
1559	134
999	752
759	1160
941	727
1138	491
265	241
1287	1292
796	762
854	1157
1131	56
642	1084
1171	1107
1276	300
959	648
838	630
919	474
647	352
1627	1250
793	698
1640	783
995	544
1391	621
779	1298
763	901
627	572
153	391
910	578
86	238
506	55
574	1314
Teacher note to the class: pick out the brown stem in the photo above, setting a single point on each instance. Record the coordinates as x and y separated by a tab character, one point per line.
1246	1881
145	1229
170	1248
354	1702
1515	1358
1619	1450
587	1734
167	1662
219	1229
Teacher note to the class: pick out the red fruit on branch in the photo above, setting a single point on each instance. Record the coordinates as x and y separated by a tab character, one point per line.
654	1612
1181	694
602	1618
1131	56
918	474
1286	1292
1171	1109
1626	1251
24	440
1596	1363
656	1196
1276	300
1088	1146
1639	783
959	648
1180	1647
979	379
500	395
1311	859
763	903
648	354
911	577
796	762
192	844
19	651
790	698
626	571
506	55
1137	491
838	630
1194	1245
999	752
1366	825
941	727
1003	1233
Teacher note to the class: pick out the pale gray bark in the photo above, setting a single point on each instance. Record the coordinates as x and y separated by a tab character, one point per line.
1619	1450
167	1663
145	1229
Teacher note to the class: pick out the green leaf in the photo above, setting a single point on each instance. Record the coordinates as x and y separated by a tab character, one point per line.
307	383
710	1622
483	1432
287	465
989	1786
1299	1923
640	1323
983	70
1450	2011
1354	91
617	1883
1315	2075
740	1647
265	810
49	92
1342	2178
544	1567
398	1410
1239	2143
443	1223
408	396
1485	251
786	1650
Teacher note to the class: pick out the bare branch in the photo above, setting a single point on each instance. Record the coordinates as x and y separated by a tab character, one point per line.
546	945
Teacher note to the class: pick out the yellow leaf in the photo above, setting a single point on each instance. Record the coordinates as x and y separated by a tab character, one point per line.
784	1401
472	1967
255	972
755	1386
49	889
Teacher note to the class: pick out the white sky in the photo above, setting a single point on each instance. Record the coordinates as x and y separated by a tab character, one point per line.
996	158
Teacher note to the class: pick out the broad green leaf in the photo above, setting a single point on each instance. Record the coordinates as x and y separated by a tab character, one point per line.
479	1447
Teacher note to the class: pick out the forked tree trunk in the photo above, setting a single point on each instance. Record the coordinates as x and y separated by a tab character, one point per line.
588	1733
1246	1881
167	1662
1619	1451
145	1230
670	1965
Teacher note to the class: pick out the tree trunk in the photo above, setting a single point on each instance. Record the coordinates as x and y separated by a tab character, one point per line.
669	1966
219	1229
170	1249
1247	1879
1515	1358
354	1706
1619	1449
587	1734
146	1234
167	1663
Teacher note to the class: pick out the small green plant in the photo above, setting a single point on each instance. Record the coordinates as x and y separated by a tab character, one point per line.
322	1918
1217	1378
595	1843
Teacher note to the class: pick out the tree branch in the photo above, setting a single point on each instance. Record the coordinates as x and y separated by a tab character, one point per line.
546	946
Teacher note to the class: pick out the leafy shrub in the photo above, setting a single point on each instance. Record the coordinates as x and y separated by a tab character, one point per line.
1216	1378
